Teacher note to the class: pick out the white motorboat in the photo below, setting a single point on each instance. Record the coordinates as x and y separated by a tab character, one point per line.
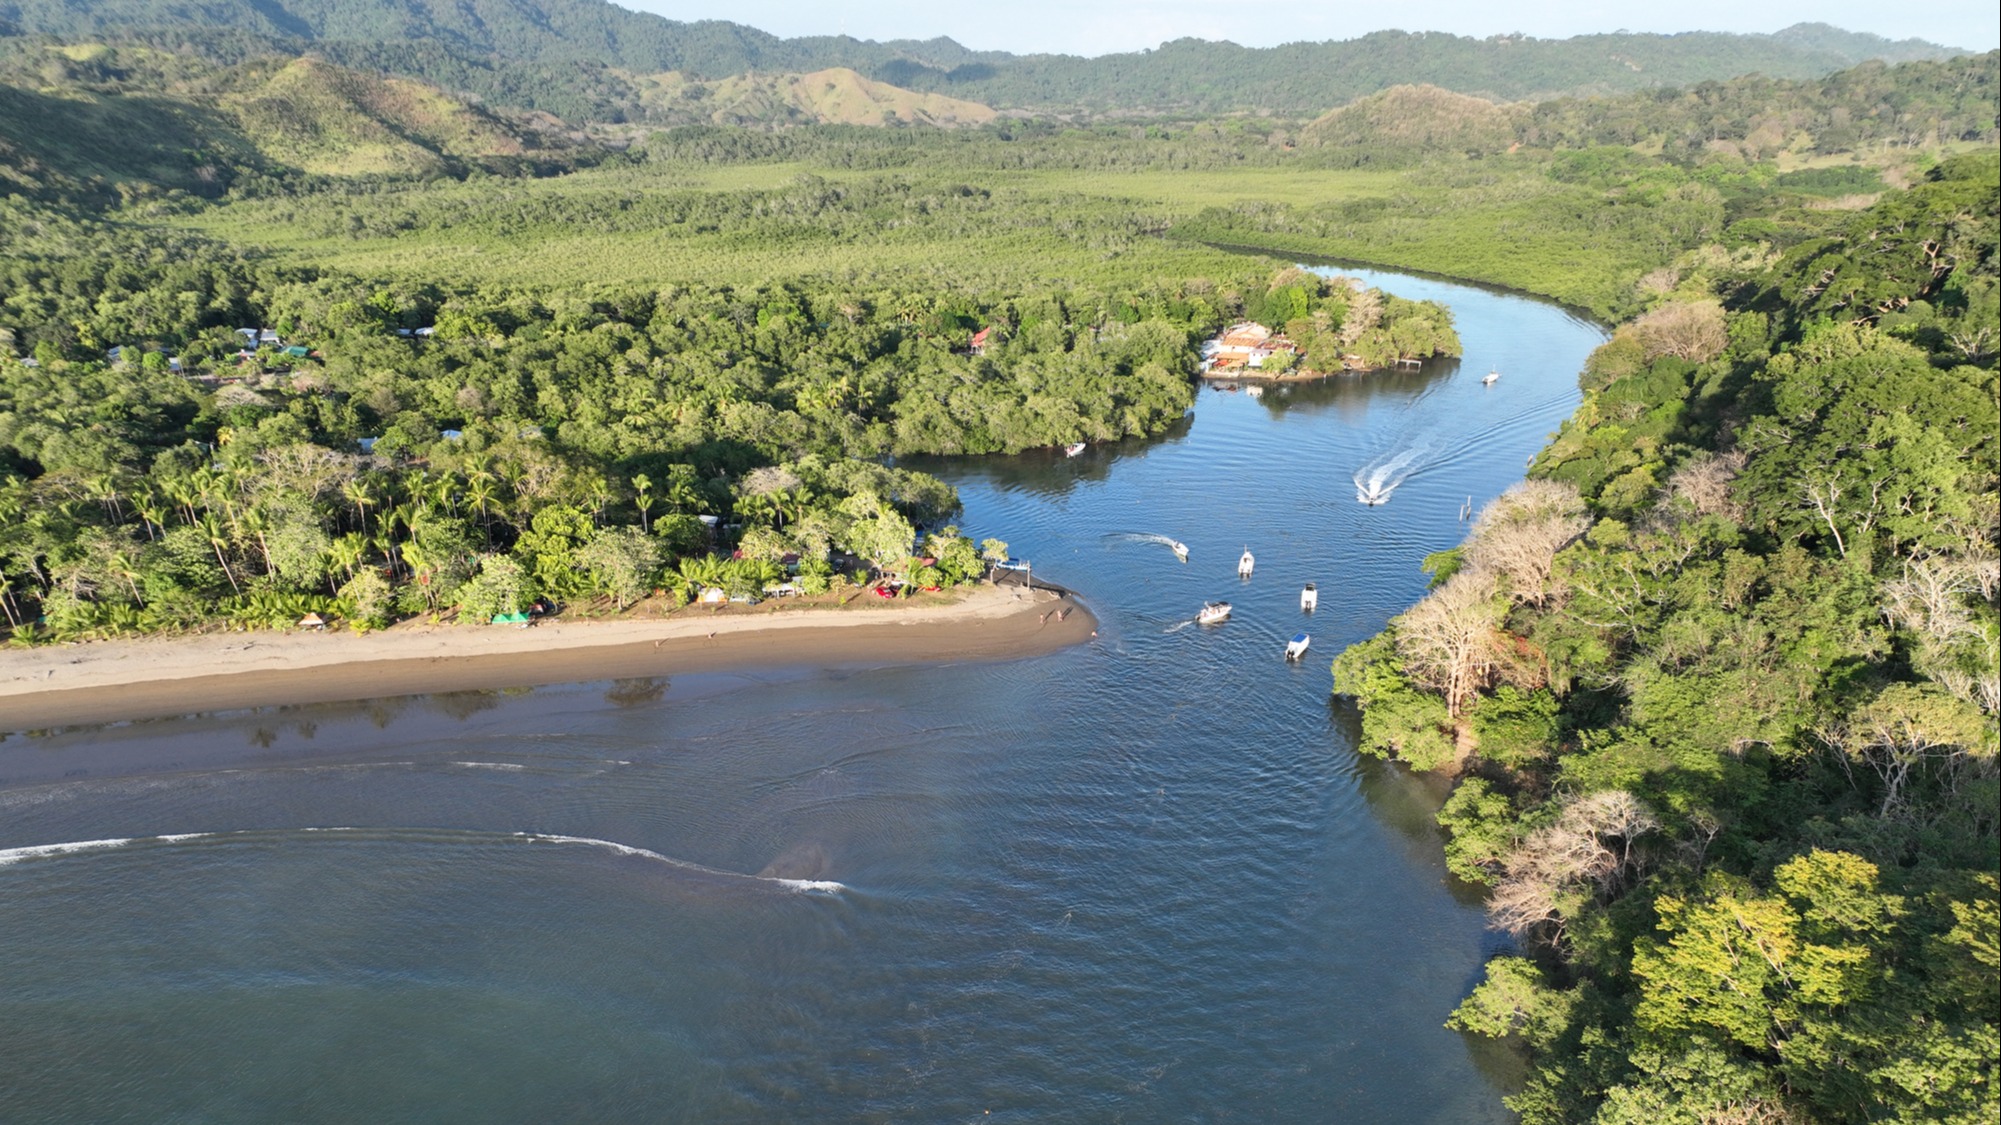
1296	647
1488	379
1213	613
1309	598
1073	449
1246	564
1179	548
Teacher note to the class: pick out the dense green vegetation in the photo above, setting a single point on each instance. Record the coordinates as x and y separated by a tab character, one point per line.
1015	204
419	436
1720	683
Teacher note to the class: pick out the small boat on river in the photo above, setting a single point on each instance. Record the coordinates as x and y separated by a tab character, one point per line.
1488	380
1073	449
1309	598
1296	647
1246	564
1179	548
1213	613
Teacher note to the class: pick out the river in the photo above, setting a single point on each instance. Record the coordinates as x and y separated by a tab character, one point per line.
1145	879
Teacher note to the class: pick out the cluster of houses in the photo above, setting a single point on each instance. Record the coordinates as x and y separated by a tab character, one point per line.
1243	346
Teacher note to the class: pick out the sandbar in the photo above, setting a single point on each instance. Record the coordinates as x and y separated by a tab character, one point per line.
157	677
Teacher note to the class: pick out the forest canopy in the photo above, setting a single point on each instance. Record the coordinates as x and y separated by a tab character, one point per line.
1720	681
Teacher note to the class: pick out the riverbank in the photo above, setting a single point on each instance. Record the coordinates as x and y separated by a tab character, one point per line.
111	681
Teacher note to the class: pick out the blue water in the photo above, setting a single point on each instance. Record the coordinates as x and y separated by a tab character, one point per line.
1144	879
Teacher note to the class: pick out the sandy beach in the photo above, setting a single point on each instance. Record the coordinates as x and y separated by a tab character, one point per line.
111	681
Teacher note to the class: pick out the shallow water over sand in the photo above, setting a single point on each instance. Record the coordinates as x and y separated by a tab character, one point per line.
1144	879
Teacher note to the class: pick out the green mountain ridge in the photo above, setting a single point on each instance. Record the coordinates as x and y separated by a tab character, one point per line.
527	53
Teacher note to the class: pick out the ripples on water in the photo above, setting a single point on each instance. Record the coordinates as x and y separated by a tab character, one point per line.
1146	878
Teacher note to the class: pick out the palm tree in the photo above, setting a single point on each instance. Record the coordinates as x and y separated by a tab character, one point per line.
701	572
357	493
480	492
763	507
257	522
642	487
152	513
348	551
217	540
104	487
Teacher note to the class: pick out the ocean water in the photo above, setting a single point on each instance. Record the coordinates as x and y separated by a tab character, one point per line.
1144	879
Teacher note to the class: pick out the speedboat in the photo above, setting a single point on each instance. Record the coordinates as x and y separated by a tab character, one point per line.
1213	613
1073	449
1296	647
1488	379
1245	564
1309	598
1179	548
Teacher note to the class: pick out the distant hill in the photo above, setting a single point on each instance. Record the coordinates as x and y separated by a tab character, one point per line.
327	119
835	96
1418	118
91	120
1913	104
527	53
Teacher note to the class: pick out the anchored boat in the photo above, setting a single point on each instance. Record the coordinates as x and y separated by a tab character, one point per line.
1309	599
1296	647
1488	380
1073	449
1245	564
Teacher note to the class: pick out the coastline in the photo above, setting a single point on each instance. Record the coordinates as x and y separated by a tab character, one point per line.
145	678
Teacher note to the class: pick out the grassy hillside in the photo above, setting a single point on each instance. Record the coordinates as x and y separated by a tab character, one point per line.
65	141
326	119
1417	119
91	120
835	96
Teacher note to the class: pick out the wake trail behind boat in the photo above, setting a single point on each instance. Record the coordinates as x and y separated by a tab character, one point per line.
1179	548
1378	480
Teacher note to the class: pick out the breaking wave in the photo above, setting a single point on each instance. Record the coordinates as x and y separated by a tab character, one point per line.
10	856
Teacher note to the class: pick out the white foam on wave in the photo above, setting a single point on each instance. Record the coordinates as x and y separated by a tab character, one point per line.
491	765
10	856
38	851
806	886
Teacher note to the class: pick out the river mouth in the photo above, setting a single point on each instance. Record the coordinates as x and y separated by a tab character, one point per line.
1147	876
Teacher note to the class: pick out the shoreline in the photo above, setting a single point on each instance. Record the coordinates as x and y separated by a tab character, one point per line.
148	678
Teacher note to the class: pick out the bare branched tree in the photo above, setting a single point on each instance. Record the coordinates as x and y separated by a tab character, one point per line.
1564	864
1703	483
1936	599
1518	535
1690	330
1447	641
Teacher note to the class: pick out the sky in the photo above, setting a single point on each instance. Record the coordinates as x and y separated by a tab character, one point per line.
1097	27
